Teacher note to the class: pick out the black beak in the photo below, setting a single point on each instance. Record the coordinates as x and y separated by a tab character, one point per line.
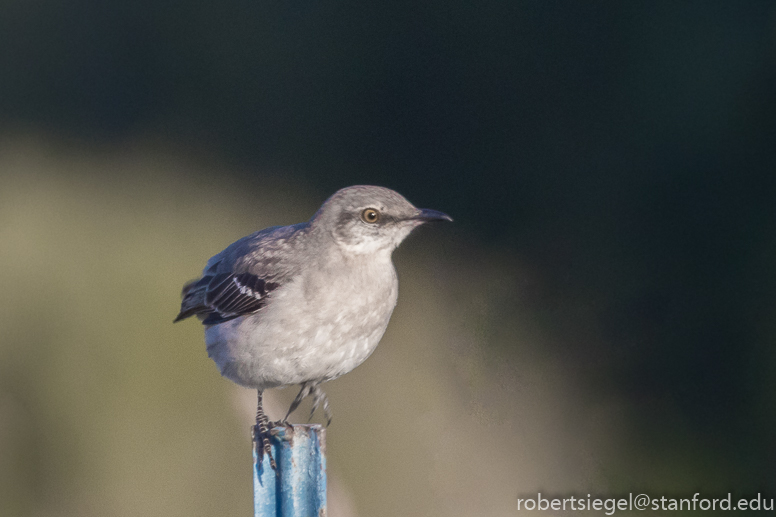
427	215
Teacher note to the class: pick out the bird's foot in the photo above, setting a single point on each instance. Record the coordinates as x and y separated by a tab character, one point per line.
279	423
261	436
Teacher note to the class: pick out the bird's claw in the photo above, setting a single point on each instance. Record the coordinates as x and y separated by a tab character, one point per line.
279	423
261	436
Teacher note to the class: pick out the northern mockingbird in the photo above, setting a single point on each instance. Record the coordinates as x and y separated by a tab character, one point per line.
306	303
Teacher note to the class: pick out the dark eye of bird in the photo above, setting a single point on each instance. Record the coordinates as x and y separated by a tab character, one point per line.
370	215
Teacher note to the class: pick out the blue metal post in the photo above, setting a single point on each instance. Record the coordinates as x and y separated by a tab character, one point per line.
298	489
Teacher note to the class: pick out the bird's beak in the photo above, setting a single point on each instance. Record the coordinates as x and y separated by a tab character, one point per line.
426	215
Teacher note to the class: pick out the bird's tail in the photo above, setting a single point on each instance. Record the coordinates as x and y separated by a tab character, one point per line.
193	302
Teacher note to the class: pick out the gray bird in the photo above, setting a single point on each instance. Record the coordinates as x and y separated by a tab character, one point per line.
306	303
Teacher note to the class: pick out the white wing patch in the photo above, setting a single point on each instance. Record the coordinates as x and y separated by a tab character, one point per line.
244	289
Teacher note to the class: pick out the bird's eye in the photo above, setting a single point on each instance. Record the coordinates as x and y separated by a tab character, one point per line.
370	215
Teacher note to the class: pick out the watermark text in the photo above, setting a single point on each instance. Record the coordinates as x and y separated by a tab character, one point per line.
610	505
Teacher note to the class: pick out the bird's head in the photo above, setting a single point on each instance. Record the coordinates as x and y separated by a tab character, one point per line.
365	219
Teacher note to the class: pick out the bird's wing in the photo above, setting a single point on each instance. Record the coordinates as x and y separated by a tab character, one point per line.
224	296
238	281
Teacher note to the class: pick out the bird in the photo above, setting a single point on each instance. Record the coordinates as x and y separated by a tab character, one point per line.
306	303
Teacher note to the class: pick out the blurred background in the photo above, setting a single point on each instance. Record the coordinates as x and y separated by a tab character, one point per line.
600	318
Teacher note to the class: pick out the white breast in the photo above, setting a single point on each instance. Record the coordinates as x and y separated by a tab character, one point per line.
309	330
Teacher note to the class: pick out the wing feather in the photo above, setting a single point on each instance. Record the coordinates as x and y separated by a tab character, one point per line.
225	296
239	280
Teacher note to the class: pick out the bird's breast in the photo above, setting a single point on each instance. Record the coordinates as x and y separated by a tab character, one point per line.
321	325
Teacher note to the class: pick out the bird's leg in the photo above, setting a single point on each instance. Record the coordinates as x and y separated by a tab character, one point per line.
318	397
307	387
261	436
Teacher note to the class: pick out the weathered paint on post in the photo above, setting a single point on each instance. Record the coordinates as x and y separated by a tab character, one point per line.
298	489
